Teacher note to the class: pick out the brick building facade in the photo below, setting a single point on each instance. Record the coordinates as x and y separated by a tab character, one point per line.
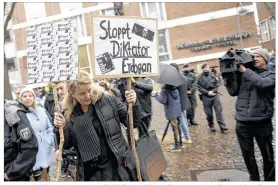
267	27
205	30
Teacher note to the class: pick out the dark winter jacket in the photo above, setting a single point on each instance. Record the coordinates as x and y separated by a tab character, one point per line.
170	98
143	88
207	82
192	81
110	112
20	143
255	91
184	101
49	105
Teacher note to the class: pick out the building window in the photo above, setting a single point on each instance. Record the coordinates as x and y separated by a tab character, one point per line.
65	7
272	27
11	64
163	46
70	6
153	10
109	12
34	11
7	36
265	31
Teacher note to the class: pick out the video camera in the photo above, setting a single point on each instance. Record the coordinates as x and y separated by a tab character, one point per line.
231	60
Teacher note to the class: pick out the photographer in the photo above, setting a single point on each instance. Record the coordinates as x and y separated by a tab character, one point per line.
207	85
254	109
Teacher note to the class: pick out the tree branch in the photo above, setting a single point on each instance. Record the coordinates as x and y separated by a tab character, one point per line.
9	16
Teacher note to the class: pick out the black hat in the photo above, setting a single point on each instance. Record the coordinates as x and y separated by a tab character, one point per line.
204	65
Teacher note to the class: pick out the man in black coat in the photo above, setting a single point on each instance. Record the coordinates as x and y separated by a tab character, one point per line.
255	91
143	88
191	89
49	105
20	143
208	85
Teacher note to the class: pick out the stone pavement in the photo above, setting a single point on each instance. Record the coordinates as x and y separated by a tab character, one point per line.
209	154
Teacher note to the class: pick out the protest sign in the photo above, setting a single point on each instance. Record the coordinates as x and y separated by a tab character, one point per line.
52	52
124	47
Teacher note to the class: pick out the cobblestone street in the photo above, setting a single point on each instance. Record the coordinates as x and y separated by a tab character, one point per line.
209	151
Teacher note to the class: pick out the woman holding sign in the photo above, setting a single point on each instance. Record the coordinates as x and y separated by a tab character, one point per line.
93	121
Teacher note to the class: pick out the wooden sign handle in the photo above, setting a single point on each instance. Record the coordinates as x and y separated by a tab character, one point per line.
61	132
130	115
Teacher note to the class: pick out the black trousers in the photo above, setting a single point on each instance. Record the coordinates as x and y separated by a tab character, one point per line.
262	132
193	104
214	102
107	171
65	165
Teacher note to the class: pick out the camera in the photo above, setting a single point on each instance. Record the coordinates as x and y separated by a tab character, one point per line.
230	61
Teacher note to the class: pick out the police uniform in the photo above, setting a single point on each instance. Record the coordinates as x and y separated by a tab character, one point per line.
20	143
208	82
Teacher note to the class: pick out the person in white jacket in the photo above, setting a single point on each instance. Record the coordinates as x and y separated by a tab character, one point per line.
43	129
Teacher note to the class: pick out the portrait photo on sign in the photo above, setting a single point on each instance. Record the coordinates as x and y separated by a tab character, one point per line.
124	46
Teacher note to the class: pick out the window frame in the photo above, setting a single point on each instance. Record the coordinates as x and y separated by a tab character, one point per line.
272	25
15	64
144	8
104	10
263	32
30	18
167	42
80	20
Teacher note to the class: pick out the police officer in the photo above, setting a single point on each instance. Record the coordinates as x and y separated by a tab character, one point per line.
191	93
20	143
207	86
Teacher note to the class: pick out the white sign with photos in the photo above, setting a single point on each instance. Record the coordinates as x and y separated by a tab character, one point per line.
52	52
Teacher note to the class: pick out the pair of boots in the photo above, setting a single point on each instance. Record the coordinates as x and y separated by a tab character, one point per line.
223	127
192	122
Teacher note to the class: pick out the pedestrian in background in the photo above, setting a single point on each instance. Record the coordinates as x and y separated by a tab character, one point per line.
184	101
271	63
62	91
208	87
43	130
143	88
170	98
108	87
191	89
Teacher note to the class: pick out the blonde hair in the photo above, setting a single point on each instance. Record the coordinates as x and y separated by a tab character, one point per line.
69	101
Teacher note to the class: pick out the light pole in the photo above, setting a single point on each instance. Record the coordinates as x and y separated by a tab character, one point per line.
240	11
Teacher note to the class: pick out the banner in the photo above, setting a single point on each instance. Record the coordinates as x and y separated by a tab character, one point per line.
124	47
52	52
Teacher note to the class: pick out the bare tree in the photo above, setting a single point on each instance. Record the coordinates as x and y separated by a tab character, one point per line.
7	86
270	6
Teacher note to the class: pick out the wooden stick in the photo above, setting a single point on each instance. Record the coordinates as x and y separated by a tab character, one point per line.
130	115
61	132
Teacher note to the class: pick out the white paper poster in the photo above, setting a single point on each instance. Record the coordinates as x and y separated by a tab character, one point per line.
124	47
52	52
